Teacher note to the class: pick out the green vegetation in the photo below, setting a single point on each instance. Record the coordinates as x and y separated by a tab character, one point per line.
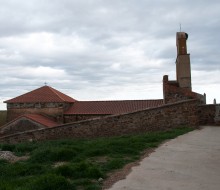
3	115
74	164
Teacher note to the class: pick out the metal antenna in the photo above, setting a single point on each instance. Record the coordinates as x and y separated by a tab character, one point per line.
45	83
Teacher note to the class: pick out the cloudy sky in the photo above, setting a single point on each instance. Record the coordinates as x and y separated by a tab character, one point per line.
106	49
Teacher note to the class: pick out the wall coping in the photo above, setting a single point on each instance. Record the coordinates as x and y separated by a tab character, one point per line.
203	105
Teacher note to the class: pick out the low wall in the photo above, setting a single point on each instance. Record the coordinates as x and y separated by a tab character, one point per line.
209	114
161	118
206	114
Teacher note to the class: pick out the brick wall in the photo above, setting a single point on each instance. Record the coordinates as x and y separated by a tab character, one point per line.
160	118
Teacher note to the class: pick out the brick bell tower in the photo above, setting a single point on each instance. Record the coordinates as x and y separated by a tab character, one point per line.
183	70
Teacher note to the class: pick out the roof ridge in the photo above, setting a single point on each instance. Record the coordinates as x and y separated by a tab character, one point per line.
56	92
42	94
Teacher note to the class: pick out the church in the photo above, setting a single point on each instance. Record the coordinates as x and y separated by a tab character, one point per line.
47	107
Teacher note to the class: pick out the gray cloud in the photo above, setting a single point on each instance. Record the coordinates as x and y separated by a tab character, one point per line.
95	49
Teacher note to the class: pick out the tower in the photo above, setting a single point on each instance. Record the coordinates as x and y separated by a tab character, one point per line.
183	70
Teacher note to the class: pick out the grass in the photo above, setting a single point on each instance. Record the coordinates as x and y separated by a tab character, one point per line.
3	115
82	162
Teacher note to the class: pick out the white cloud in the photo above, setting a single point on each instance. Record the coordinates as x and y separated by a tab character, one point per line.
45	44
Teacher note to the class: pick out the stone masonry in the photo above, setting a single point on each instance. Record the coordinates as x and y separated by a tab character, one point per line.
165	117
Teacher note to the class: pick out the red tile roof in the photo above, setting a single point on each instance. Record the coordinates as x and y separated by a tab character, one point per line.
43	120
111	107
47	122
42	94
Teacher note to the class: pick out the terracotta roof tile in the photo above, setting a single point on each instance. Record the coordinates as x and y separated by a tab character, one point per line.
47	122
42	94
111	107
43	120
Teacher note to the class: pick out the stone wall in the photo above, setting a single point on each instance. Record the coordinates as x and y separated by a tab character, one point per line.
52	109
217	114
78	117
20	125
173	93
56	112
209	114
165	117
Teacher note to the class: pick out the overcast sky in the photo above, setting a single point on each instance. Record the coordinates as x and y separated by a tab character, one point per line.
106	49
